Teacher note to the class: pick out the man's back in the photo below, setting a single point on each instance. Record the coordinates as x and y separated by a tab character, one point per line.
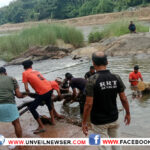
78	83
7	88
37	81
54	85
104	87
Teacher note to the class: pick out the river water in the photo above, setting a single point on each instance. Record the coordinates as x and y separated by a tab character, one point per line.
140	108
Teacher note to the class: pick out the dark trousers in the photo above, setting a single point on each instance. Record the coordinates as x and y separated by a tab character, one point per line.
39	100
82	99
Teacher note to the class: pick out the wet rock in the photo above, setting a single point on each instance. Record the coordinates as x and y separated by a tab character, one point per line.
76	57
41	53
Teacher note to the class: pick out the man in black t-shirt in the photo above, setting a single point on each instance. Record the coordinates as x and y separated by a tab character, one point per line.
90	73
101	94
80	84
132	27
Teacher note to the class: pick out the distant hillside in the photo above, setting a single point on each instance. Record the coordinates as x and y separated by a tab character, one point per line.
34	10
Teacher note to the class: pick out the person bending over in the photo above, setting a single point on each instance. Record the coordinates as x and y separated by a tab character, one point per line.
43	89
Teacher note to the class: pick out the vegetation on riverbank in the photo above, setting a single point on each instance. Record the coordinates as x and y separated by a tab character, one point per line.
44	34
117	28
34	10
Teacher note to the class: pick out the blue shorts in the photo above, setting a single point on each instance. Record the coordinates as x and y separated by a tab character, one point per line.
8	112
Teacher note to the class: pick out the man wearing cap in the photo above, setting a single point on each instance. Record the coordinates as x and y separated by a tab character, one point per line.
90	73
44	90
9	88
80	84
135	76
101	100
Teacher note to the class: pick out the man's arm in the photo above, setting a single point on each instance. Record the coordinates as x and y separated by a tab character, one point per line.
141	77
18	93
58	92
131	80
26	87
74	93
125	104
87	110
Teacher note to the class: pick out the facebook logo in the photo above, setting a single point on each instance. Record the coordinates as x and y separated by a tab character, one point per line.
94	139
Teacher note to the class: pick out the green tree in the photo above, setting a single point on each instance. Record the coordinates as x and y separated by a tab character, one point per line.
105	6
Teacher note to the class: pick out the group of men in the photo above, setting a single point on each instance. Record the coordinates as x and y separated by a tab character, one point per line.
9	88
97	96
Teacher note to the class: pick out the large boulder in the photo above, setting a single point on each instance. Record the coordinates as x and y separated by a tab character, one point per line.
130	44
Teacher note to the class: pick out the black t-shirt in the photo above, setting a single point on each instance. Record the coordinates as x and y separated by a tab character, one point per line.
132	27
104	87
88	74
78	83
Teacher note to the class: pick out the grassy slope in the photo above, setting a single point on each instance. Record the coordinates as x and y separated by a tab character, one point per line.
44	34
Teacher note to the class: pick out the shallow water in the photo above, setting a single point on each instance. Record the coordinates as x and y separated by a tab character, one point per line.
140	108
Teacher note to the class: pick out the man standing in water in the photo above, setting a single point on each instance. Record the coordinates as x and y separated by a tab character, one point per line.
135	76
90	73
101	94
43	89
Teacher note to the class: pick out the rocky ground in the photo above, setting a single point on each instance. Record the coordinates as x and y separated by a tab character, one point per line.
126	45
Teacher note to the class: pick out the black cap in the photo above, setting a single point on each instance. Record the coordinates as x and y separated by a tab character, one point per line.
68	76
136	67
27	64
2	70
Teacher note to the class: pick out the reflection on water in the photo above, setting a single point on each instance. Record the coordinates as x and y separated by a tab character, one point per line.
140	108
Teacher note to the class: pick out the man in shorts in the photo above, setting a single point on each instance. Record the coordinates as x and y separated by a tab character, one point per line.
8	108
44	90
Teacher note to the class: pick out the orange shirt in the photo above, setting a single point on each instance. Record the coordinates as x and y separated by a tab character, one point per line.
37	81
54	85
134	76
